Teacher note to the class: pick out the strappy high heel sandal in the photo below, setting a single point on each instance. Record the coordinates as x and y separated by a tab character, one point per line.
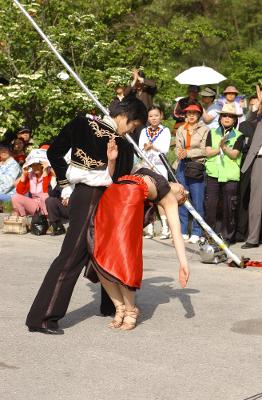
119	317
130	319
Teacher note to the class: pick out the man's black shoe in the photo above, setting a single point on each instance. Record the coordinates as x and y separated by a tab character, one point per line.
249	245
47	331
58	229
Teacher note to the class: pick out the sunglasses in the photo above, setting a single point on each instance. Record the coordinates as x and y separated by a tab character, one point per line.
228	116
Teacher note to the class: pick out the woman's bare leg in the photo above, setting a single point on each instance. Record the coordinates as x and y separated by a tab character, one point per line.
128	296
131	311
113	291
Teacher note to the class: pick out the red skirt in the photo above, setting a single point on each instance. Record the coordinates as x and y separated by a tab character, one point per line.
118	231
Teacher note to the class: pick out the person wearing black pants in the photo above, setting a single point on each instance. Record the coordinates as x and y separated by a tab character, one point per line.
88	170
58	211
224	151
228	192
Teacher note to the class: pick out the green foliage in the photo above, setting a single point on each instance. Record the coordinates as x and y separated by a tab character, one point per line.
103	40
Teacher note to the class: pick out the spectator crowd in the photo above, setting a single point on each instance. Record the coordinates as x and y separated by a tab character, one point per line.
218	152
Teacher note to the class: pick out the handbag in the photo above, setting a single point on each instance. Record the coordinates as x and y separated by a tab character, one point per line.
194	170
15	224
39	224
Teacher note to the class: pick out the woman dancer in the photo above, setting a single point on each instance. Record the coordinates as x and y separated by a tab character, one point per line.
118	224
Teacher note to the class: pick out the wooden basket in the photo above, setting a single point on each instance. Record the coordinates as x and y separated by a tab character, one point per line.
13	224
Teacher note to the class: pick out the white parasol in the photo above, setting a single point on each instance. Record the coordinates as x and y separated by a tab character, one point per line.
200	76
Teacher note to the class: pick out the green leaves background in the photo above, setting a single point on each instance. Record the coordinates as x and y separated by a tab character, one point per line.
105	39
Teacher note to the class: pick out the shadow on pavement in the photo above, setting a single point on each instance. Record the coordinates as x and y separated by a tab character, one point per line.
255	397
157	291
154	291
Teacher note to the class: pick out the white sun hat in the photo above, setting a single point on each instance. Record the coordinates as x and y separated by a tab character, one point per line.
36	156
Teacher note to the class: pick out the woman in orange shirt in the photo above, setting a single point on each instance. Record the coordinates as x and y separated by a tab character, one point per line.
190	147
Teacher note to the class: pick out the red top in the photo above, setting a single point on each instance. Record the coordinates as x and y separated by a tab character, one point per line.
24	187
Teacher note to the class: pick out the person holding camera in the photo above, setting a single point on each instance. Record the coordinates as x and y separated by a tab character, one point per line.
32	186
144	90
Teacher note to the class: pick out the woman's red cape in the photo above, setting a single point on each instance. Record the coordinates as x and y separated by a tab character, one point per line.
118	231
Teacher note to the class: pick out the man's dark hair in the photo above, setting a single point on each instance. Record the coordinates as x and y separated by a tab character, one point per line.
133	108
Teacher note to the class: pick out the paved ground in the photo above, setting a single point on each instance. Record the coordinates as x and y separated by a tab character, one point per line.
201	343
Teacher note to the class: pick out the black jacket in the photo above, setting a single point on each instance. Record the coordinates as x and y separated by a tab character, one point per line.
88	139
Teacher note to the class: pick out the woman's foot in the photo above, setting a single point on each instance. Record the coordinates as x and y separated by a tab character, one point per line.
119	317
130	319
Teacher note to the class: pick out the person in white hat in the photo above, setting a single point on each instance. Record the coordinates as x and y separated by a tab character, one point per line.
35	178
224	151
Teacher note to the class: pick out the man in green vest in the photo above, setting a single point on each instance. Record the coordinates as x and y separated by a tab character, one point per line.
223	152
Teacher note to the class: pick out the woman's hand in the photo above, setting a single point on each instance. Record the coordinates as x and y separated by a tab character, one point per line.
183	275
46	168
24	175
259	94
24	171
180	193
222	144
148	146
45	165
181	154
112	150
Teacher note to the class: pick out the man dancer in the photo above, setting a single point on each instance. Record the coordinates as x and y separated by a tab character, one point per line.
88	170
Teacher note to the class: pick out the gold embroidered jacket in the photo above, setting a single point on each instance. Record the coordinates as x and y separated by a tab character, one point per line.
88	139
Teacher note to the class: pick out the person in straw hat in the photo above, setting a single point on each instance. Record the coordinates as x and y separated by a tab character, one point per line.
231	97
224	152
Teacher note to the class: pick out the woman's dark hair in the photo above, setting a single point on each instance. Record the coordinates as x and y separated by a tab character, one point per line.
20	140
196	103
234	125
155	107
133	108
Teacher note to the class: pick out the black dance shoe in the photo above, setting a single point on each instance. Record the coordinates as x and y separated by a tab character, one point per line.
249	245
46	331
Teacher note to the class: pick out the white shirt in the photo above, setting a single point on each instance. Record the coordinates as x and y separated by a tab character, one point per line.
161	144
212	111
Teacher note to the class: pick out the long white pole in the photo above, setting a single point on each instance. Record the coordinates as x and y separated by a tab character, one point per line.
187	204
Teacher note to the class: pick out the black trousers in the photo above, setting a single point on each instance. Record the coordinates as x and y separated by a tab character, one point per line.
57	212
55	292
227	193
